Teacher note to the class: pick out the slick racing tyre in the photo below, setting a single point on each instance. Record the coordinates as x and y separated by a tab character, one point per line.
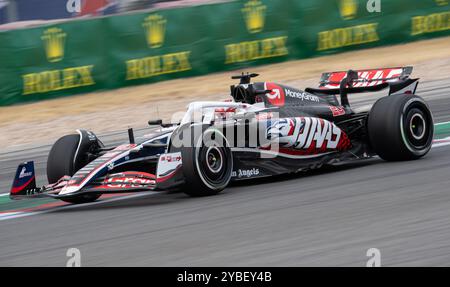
207	164
401	127
66	157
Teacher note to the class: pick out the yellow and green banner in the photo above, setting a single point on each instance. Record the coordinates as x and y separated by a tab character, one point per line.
86	55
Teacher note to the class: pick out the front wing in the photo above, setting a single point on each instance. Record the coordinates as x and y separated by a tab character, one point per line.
168	175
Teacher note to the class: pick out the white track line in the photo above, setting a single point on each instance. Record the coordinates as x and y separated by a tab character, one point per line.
11	215
442	142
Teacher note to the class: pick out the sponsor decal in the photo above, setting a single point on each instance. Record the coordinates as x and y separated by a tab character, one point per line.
24	173
224	113
245	173
126	182
147	67
337	111
264	116
277	96
313	135
167	166
301	95
369	75
254	16
171	158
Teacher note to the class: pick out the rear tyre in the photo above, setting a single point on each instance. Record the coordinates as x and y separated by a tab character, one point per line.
66	158
401	127
207	165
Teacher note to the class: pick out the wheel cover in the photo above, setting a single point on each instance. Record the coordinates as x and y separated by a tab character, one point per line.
214	159
214	164
416	125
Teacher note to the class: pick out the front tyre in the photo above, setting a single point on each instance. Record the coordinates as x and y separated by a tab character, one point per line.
401	127
67	156
208	164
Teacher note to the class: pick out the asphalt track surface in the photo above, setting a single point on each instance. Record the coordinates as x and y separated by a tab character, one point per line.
329	217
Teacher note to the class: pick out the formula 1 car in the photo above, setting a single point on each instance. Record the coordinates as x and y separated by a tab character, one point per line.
266	129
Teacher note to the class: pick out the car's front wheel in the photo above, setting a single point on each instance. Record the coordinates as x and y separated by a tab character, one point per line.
207	164
67	155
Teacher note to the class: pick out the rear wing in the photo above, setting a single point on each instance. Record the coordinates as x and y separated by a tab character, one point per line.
365	80
370	80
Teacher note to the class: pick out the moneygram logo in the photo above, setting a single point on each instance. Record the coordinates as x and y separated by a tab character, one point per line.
254	13
302	96
348	9
54	41
155	28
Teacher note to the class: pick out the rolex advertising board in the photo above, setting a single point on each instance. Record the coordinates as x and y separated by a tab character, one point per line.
148	47
251	32
144	47
330	26
53	60
341	25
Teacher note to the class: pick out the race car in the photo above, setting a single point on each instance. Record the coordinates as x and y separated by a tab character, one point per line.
265	129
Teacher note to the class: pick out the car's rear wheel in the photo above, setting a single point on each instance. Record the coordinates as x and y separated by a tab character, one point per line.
66	157
208	164
401	127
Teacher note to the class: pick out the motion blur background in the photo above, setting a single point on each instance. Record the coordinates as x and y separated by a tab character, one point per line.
110	44
27	10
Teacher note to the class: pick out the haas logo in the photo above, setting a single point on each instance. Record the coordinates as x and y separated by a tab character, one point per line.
276	96
313	135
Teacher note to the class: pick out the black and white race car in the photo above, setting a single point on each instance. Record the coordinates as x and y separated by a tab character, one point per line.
266	129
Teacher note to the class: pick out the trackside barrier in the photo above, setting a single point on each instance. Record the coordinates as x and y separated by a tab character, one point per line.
82	56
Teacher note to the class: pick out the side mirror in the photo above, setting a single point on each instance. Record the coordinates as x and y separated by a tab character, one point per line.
157	122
